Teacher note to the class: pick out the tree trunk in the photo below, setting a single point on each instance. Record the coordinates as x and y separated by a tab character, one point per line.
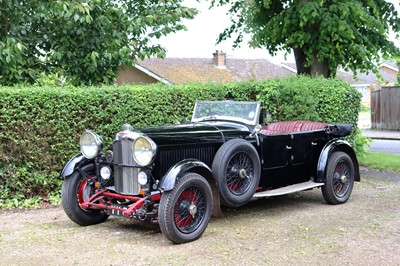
315	69
301	59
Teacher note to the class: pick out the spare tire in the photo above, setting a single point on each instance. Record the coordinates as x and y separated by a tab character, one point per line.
237	169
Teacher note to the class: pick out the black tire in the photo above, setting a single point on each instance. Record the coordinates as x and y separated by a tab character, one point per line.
75	191
192	193
237	169
339	178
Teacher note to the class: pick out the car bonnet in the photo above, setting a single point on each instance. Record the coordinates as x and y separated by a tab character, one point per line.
195	133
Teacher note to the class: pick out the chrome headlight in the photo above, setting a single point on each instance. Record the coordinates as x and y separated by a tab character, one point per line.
144	150
91	144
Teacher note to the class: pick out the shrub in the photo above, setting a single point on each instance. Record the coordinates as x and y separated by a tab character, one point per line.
317	99
40	126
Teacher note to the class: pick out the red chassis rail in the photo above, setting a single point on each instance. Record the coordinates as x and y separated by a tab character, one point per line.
127	212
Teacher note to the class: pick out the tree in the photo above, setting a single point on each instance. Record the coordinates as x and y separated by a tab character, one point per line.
322	34
398	67
86	41
398	73
17	53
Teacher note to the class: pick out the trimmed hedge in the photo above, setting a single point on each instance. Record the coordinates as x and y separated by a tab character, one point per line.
317	99
40	126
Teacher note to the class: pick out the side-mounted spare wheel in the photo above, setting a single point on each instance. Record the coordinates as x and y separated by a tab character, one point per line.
75	191
339	178
237	169
185	211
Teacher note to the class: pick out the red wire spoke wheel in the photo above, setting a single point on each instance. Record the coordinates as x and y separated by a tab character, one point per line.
185	211
75	191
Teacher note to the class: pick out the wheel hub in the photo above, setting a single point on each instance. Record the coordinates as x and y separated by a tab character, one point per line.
243	173
192	209
186	206
343	179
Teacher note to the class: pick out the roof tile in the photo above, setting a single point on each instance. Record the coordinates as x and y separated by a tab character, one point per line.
188	70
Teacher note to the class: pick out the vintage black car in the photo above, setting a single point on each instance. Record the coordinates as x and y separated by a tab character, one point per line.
179	175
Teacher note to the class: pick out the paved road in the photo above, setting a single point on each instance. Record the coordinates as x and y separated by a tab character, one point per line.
386	146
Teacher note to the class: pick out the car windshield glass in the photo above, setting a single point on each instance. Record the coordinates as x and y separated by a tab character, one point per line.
245	112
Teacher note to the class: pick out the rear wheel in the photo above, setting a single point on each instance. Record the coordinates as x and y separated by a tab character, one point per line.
185	211
75	191
339	178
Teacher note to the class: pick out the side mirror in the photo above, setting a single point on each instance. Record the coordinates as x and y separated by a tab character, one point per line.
255	132
256	129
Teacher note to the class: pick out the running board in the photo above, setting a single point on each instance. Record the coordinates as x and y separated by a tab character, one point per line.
288	189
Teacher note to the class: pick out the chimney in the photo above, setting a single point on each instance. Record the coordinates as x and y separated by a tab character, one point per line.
219	59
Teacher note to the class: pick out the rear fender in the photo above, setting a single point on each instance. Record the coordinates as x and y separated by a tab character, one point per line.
330	147
169	180
70	167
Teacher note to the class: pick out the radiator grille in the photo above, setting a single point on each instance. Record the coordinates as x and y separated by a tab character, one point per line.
169	156
125	178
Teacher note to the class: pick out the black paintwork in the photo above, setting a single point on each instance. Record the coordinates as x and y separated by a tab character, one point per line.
290	158
200	133
127	184
195	140
286	159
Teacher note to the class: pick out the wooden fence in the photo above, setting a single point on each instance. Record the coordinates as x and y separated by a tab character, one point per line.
385	108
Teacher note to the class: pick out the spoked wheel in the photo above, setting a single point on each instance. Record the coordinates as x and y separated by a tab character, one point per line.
185	211
75	191
339	178
237	169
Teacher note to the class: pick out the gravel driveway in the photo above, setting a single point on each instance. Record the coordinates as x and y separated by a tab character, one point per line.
299	229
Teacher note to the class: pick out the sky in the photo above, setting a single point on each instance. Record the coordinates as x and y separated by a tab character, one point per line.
200	38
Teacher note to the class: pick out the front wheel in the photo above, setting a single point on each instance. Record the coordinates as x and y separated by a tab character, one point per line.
75	191
339	178
185	211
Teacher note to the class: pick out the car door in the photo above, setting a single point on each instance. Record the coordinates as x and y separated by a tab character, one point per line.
275	150
303	145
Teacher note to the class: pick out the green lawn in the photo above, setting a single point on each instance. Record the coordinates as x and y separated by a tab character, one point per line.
381	161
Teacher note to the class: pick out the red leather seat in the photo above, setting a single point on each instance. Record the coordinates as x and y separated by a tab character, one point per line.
309	126
291	126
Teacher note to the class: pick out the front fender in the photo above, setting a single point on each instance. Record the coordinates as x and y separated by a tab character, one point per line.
168	181
331	146
71	165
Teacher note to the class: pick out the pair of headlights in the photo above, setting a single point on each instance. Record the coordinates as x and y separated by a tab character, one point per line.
143	148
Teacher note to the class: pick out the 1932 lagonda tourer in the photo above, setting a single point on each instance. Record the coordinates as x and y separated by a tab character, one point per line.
179	175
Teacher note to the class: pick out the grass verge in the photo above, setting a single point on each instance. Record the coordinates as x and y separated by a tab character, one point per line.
381	161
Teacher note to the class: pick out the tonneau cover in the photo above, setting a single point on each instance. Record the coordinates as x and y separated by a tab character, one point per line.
341	130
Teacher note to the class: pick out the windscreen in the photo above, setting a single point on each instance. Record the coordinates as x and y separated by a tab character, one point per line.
245	112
